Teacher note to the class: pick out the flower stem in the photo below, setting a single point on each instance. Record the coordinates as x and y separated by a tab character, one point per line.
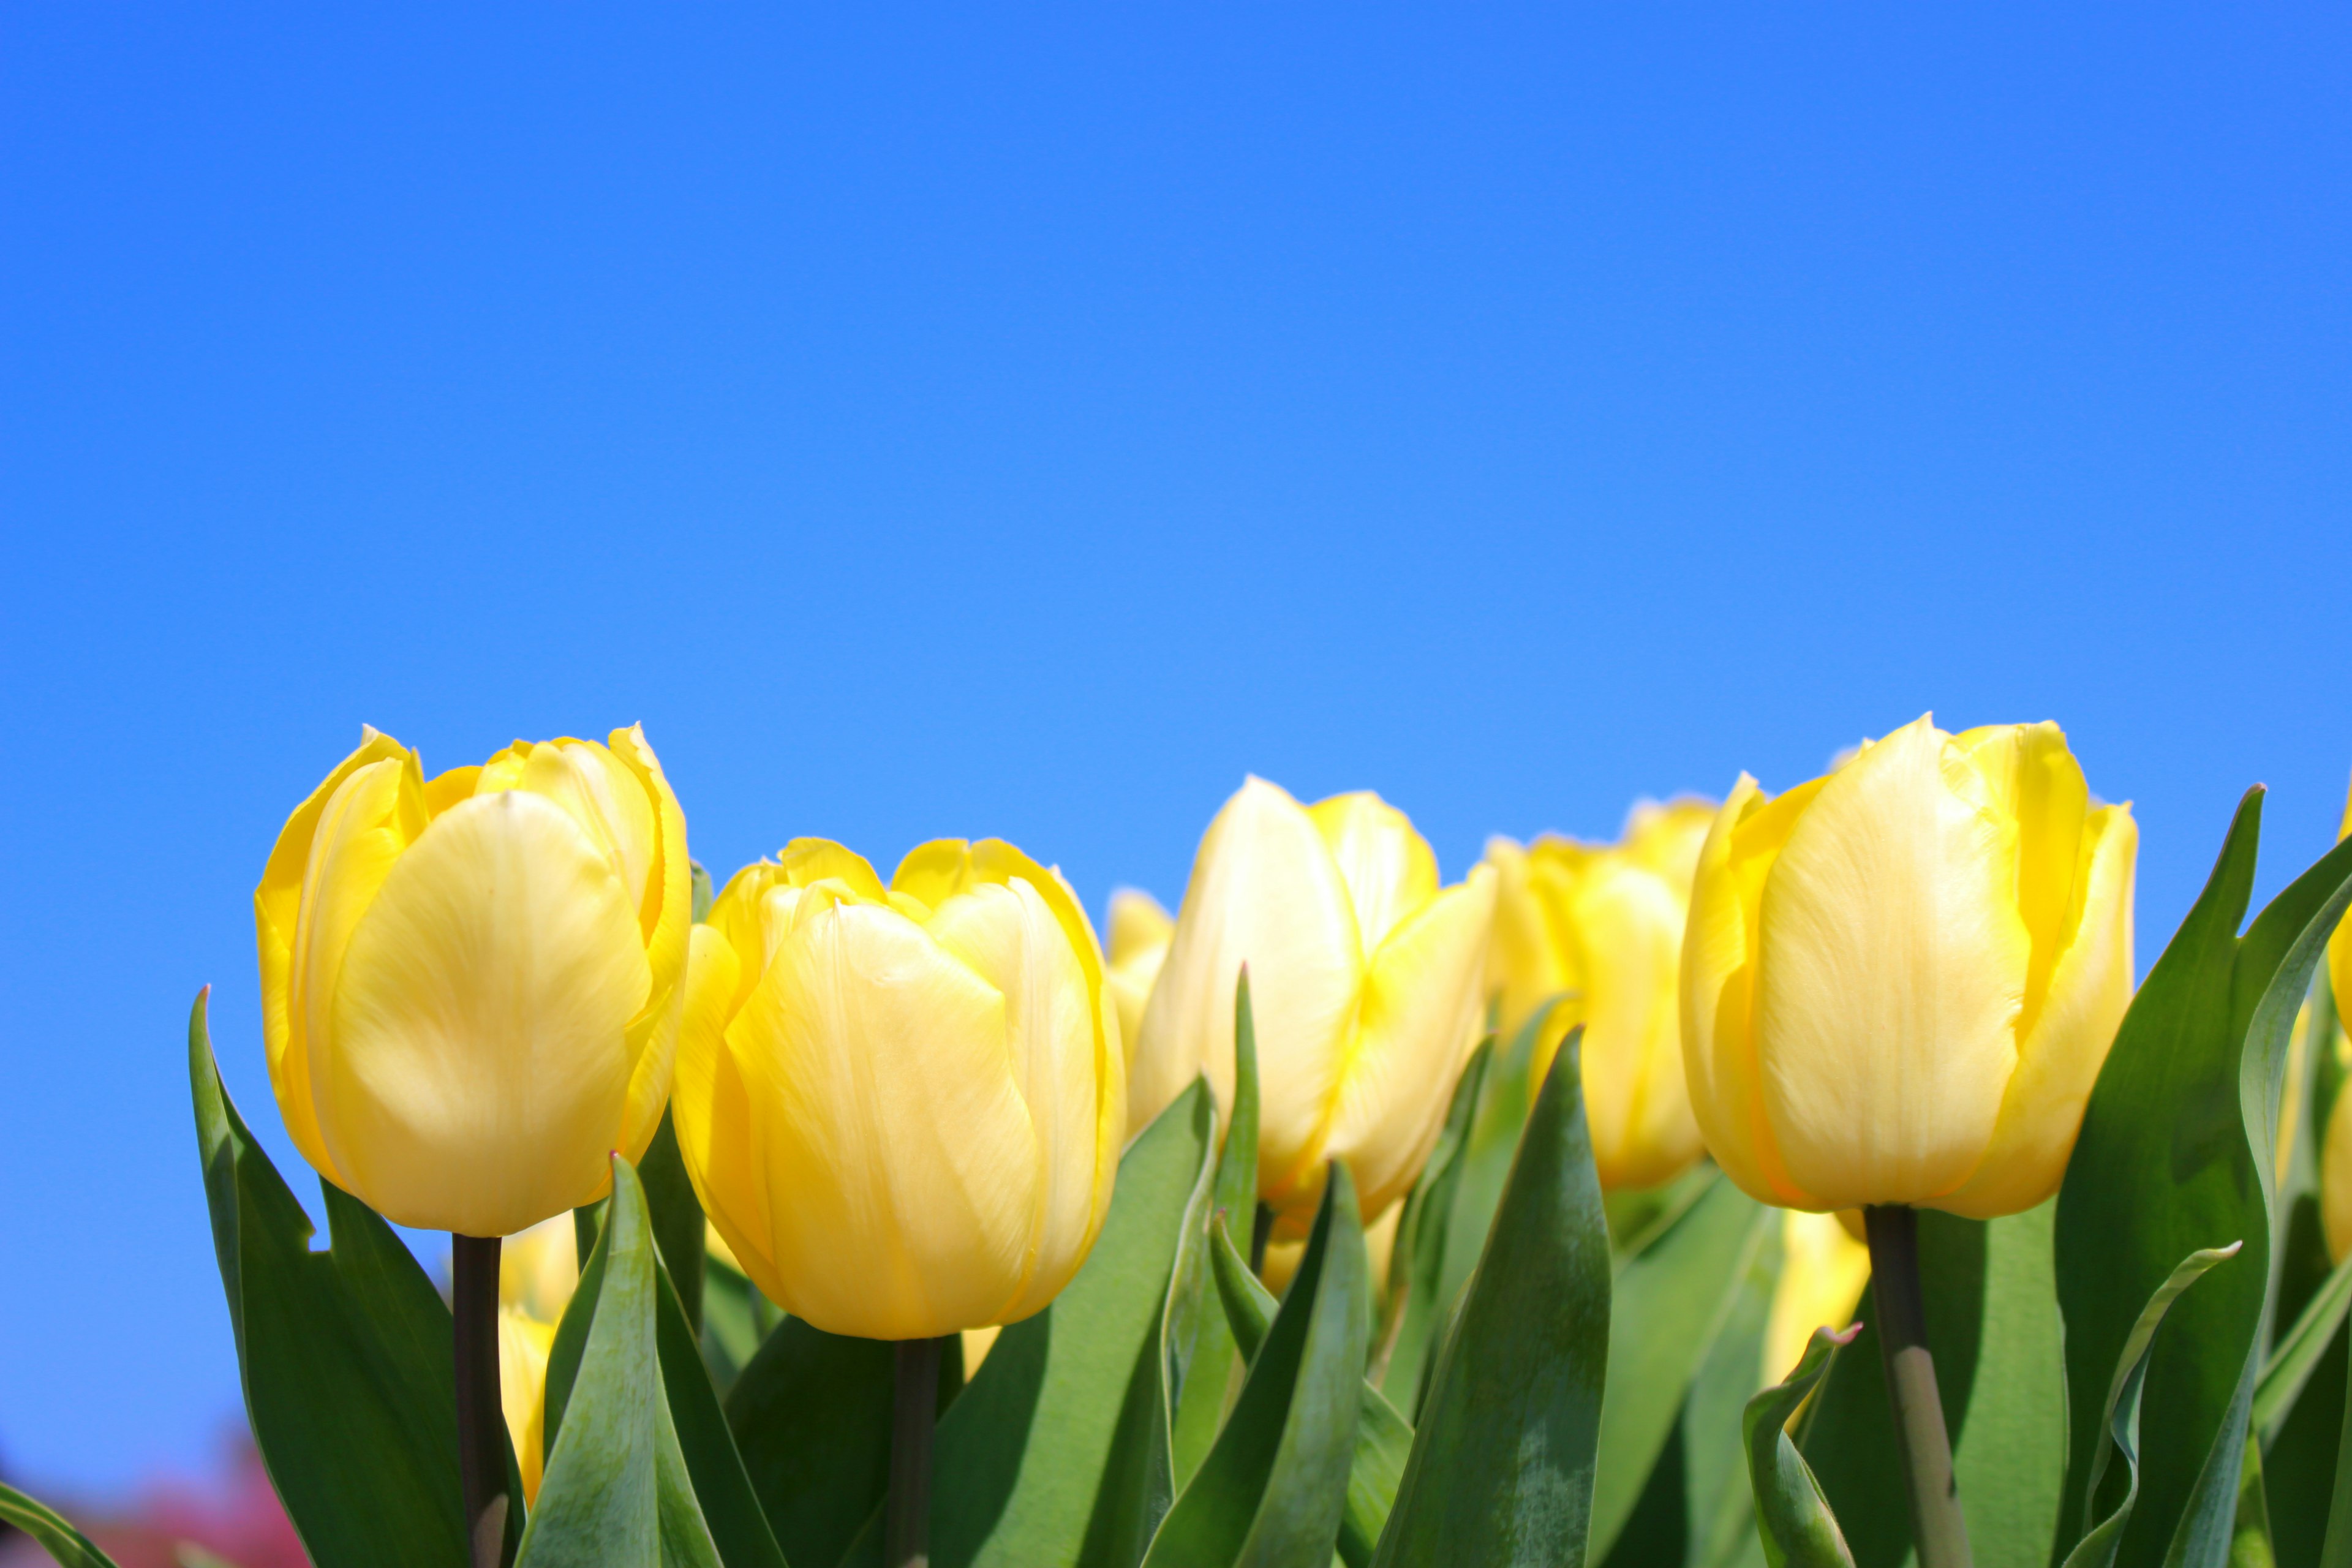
1921	1440
907	1518
482	1425
1261	1232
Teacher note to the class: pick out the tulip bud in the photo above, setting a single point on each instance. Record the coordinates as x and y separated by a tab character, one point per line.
1364	984
1597	933
1900	979
1139	933
902	1107
471	984
1824	1263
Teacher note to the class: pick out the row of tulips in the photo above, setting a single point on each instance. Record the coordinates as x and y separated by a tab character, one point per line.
1797	1180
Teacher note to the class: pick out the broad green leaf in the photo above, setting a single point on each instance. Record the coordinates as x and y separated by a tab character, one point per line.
2176	1154
616	1493
739	1528
1202	1363
1383	1440
677	1220
1504	1097
1503	1454
1668	1303
1273	1489
1718	1508
811	1415
1793	1520
61	1541
2298	1353
344	1355
2120	1416
1993	1330
736	1321
1417	1261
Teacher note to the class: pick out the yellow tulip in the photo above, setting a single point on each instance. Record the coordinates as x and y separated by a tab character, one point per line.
1364	983
471	983
538	1271
902	1107
2335	1179
1598	930
2339	946
1284	1257
1139	933
1900	979
1823	1266
540	1268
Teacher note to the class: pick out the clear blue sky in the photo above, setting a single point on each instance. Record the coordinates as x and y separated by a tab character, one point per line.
1027	422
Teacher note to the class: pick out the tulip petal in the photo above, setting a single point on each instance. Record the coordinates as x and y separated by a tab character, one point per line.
1524	965
1265	892
1890	975
1137	925
900	1163
1417	1021
805	862
712	1112
666	913
1389	868
2032	777
2339	946
475	1075
2060	1053
1628	925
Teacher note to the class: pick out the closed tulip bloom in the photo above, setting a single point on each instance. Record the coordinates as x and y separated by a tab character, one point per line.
471	983
1597	934
1139	933
1900	979
902	1106
1365	981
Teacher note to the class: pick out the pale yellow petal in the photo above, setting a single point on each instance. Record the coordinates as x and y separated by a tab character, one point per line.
2032	778
611	807
977	1343
1524	962
666	912
524	1344
805	862
540	1267
711	1110
1265	892
1418	1018
1891	973
1388	869
1822	1271
2060	1057
475	1076
1628	926
1666	838
1137	925
900	1165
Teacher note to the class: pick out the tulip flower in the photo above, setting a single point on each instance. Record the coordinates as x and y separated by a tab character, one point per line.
538	1271
471	983
1824	1263
902	1106
1901	979
1139	933
1596	933
1365	980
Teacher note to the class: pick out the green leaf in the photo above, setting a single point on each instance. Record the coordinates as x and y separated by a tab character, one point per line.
1503	1454
1272	1492
2299	1459
1495	1129
698	881
1792	1515
61	1541
1417	1261
345	1355
1719	1510
1383	1440
1202	1363
2299	1352
616	1493
2119	1417
811	1415
676	1218
1668	1303
2176	1155
1994	1333
736	1321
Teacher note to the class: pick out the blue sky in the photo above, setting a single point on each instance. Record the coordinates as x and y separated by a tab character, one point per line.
1025	422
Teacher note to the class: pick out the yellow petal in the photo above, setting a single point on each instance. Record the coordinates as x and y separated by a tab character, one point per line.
1137	925
2335	1180
666	912
1388	869
1822	1271
1666	838
2339	946
712	1110
2059	1055
540	1267
2032	778
477	1072
1417	1021
611	806
1266	892
1524	962
524	1343
900	1165
805	862
977	1343
277	905
1890	974
1628	925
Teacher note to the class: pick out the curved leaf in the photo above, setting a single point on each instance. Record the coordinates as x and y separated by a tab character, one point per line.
1792	1516
2298	1351
1503	1454
1201	1344
345	1355
811	1416
61	1541
1272	1491
1417	1263
1383	1440
616	1492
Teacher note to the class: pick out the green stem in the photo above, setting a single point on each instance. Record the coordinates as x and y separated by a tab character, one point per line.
482	1425
1921	1440
1261	1232
907	1519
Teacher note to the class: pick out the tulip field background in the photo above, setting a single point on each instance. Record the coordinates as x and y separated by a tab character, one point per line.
1026	424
